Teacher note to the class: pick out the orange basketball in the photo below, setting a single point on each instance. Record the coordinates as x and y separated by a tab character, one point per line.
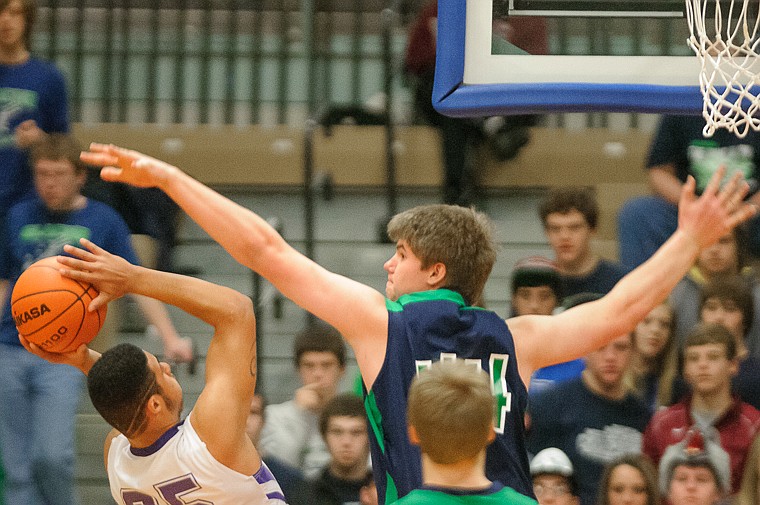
50	310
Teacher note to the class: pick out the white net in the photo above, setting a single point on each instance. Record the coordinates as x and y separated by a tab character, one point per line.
724	38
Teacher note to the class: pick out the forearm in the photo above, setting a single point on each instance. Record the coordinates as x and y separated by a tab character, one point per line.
209	302
238	230
653	281
156	314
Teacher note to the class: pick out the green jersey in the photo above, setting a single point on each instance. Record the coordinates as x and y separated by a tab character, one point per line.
494	495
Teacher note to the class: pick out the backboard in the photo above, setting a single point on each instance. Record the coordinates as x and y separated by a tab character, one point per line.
473	78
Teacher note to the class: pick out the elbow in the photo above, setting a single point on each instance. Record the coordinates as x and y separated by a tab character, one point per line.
238	309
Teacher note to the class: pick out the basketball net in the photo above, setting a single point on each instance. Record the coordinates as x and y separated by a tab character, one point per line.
724	38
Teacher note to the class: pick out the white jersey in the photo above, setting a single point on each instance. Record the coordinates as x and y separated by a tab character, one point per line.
178	468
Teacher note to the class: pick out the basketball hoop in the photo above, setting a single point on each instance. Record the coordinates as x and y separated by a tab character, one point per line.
724	38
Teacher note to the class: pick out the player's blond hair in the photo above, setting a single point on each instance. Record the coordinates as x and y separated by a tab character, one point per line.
460	238
451	408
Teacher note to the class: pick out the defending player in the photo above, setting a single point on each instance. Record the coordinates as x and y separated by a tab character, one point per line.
152	456
443	257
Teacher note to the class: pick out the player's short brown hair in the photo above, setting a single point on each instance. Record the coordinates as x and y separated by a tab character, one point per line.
30	16
565	199
58	146
461	238
451	408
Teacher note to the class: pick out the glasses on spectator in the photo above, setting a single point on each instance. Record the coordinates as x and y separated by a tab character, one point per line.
547	490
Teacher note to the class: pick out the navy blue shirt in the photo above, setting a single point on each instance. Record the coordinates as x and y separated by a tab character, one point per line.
590	429
601	280
437	325
31	90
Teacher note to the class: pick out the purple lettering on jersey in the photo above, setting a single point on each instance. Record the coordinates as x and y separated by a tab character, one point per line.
172	491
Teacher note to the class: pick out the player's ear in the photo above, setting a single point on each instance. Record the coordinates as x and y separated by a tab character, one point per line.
155	404
413	437
436	273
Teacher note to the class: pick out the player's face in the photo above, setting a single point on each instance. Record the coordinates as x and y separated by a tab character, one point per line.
170	388
569	236
58	184
405	273
255	421
553	490
346	439
320	367
12	26
627	487
707	369
720	258
653	332
725	313
609	363
539	300
693	486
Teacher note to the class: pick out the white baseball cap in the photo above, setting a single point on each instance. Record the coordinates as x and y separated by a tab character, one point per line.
551	461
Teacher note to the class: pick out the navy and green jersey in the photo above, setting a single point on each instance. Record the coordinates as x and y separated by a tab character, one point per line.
437	325
496	494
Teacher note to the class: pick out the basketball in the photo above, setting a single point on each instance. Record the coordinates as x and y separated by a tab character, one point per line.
50	310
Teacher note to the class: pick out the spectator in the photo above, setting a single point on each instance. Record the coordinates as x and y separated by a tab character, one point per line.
629	480
749	491
38	400
570	216
461	138
33	101
291	480
291	431
450	417
679	149
653	349
535	287
725	259
728	302
343	425
601	418
695	471
553	480
526	276
709	365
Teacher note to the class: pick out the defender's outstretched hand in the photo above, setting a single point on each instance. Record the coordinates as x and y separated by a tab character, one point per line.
717	211
127	166
109	274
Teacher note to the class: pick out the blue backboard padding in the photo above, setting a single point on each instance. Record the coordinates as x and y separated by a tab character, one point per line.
453	98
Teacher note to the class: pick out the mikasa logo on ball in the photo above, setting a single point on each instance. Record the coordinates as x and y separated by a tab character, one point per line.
30	314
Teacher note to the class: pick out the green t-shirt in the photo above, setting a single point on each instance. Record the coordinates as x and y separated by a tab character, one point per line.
495	495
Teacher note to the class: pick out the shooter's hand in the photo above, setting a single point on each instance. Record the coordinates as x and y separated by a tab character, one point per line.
110	274
82	358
